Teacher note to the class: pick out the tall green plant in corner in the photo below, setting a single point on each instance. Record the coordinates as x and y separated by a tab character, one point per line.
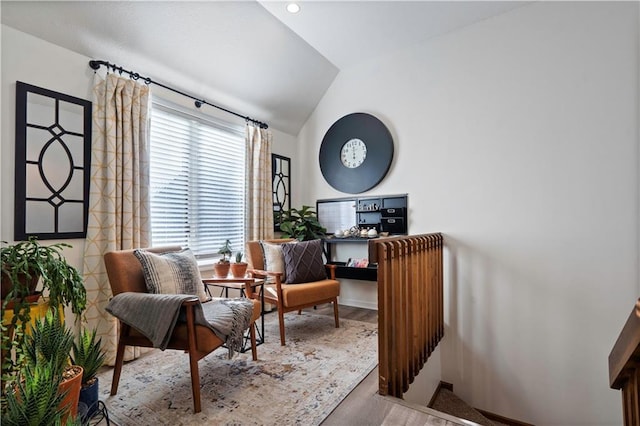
301	224
24	264
36	400
49	342
88	354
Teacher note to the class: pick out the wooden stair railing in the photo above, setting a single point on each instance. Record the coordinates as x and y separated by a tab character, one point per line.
624	367
410	306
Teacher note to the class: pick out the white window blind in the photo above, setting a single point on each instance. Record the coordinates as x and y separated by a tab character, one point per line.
197	182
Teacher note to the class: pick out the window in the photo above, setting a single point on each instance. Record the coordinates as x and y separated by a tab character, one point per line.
197	181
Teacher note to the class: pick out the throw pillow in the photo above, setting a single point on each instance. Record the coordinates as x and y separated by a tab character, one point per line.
272	258
303	262
172	273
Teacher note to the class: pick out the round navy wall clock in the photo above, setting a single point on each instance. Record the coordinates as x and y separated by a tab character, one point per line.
356	153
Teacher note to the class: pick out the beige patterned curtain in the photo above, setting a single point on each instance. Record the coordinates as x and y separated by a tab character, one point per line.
259	184
119	197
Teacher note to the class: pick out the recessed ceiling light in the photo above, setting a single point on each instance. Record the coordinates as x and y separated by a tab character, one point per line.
293	8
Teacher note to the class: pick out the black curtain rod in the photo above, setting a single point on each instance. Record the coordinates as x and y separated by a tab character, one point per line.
95	65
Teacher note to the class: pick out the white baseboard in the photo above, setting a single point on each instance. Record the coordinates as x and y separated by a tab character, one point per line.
358	303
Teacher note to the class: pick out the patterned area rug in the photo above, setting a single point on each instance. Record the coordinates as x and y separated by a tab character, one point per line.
297	384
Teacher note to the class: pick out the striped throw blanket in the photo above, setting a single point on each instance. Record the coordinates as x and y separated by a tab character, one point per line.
155	316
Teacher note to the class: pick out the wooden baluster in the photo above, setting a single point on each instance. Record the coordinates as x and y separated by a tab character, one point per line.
424	320
424	276
399	329
631	398
440	282
433	284
415	308
429	290
406	318
424	303
392	318
418	304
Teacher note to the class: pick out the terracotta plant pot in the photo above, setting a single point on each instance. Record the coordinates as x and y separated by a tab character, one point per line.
221	270
239	270
31	299
71	385
24	282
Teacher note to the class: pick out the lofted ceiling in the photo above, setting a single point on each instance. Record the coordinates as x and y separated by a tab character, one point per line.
252	57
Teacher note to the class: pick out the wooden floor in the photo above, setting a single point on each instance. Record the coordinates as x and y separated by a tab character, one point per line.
364	406
346	312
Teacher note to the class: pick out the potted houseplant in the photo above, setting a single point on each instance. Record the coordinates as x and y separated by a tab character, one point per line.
239	268
35	399
24	264
88	353
221	268
301	224
50	342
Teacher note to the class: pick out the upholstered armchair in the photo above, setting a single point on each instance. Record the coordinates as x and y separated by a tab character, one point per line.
290	286
126	276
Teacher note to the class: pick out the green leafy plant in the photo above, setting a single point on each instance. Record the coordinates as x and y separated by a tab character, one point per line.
301	224
225	251
88	354
36	400
24	264
49	340
239	268
34	397
63	281
12	341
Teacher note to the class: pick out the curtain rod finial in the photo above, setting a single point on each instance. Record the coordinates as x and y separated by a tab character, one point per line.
95	65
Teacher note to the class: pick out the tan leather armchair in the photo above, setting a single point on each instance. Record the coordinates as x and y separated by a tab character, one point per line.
291	297
126	275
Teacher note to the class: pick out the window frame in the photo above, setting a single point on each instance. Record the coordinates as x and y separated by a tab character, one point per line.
233	130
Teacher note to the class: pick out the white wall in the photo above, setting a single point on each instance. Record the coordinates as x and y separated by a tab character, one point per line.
517	138
35	61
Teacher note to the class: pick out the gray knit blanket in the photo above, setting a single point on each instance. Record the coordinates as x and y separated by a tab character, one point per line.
156	315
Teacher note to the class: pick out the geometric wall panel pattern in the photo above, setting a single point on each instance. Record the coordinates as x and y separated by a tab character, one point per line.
52	164
281	173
